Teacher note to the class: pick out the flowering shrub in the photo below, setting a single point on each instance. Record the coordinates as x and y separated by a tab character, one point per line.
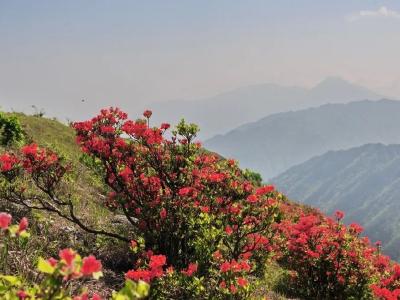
332	256
200	227
185	203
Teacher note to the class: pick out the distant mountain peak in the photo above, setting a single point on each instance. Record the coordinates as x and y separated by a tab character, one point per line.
333	80
334	88
337	82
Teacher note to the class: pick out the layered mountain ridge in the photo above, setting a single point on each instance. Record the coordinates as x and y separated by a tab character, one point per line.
223	112
277	142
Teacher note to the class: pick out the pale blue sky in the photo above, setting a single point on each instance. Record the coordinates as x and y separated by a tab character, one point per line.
53	53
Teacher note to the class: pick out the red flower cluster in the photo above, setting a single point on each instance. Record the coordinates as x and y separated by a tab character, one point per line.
8	162
331	259
191	269
37	158
154	270
388	288
71	266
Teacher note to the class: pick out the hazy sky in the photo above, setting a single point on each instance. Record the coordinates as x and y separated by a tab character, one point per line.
126	53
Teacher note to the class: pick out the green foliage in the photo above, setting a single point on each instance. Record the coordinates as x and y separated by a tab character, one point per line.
252	176
132	290
10	129
189	131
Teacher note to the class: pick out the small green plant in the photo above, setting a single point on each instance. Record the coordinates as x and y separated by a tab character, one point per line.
38	112
10	129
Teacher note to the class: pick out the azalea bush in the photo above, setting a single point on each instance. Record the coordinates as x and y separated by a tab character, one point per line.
185	204
329	260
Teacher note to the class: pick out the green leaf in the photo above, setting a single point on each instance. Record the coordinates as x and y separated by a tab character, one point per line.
97	275
13	280
45	267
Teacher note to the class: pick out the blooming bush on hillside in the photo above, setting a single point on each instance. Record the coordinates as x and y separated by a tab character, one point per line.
200	227
190	209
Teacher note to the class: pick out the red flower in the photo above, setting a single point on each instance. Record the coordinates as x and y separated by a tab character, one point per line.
31	149
5	220
225	267
205	209
233	289
242	281
90	265
163	213
184	191
339	215
222	285
217	177
355	228
147	114
252	199
68	255
228	230
23	225
265	190
157	261
7	162
22	295
52	261
96	297
137	275
165	126
133	244
192	268
126	173
217	255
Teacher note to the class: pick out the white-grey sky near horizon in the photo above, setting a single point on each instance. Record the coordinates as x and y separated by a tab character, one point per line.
129	53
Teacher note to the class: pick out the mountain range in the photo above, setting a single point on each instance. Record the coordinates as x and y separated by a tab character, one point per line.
364	182
223	112
280	141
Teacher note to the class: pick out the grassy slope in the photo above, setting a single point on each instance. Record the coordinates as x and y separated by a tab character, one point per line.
50	133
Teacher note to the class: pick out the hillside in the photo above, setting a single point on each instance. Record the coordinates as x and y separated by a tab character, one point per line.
251	103
280	141
50	133
364	182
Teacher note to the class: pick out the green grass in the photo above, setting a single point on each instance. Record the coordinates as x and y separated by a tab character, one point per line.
50	133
